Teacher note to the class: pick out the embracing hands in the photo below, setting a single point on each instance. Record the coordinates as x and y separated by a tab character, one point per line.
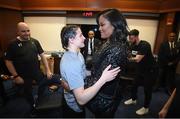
109	75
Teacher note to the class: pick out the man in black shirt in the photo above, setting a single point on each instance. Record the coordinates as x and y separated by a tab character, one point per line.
21	59
142	55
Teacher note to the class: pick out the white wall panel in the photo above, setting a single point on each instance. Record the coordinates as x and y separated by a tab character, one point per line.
47	31
147	29
75	20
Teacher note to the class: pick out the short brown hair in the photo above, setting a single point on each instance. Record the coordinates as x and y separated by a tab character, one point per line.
134	32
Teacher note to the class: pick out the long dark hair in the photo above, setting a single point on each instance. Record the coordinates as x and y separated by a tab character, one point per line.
119	23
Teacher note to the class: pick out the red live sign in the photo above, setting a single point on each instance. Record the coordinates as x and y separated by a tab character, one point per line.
87	14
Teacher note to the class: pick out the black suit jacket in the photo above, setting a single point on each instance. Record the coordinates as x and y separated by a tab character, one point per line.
97	44
166	55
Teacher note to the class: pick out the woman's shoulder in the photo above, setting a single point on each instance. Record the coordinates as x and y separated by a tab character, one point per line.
118	47
113	49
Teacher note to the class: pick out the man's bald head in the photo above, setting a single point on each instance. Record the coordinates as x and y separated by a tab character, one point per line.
91	34
23	31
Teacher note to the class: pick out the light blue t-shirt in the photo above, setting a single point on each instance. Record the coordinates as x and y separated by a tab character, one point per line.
73	70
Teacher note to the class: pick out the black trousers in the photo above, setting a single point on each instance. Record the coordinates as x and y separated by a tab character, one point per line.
167	77
89	62
26	90
145	79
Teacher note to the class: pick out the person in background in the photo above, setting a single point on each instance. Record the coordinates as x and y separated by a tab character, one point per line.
73	70
113	29
168	58
142	55
171	109
21	59
91	45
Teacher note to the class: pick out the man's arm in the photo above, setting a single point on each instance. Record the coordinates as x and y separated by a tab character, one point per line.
12	70
164	110
137	58
45	63
84	95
